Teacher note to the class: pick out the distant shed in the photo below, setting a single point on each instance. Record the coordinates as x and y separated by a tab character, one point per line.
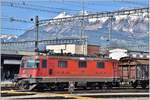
93	49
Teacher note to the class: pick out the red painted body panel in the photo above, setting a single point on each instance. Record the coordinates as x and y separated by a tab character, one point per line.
109	71
28	72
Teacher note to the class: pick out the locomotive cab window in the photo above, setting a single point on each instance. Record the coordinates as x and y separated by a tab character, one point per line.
44	63
22	63
100	65
31	63
62	64
82	64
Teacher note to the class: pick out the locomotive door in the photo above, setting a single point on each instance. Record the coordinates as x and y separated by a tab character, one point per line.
43	67
132	71
124	75
115	71
51	66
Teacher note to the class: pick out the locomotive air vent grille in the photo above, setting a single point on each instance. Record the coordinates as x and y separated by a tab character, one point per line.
50	71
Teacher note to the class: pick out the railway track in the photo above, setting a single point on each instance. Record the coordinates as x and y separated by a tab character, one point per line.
80	94
125	89
114	89
117	92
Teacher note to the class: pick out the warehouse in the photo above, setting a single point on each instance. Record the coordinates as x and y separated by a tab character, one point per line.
75	49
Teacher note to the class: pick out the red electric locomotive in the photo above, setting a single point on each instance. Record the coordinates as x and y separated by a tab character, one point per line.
59	72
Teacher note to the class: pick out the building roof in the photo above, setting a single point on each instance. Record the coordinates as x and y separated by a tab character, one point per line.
137	51
126	60
118	50
143	62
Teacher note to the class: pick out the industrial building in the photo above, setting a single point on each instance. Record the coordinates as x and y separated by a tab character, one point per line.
75	49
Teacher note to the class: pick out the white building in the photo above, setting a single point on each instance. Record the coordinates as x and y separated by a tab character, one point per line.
68	48
117	53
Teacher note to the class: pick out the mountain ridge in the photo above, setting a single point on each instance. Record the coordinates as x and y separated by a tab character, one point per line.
126	29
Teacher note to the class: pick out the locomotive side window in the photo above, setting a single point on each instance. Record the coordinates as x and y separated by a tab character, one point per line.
22	63
100	65
44	63
82	64
62	64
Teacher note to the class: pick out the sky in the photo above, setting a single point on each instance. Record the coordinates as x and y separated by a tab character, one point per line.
24	10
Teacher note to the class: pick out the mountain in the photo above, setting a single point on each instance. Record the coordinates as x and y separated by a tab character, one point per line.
8	37
126	29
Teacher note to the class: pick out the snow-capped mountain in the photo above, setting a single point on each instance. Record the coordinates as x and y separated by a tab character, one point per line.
126	29
8	37
62	15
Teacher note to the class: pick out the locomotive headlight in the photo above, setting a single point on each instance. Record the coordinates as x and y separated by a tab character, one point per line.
82	58
36	57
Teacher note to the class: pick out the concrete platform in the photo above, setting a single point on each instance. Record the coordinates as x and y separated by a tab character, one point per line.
83	96
115	94
15	93
7	84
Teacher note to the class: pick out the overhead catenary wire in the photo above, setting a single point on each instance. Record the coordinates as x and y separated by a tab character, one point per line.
36	7
99	3
12	19
18	29
11	4
97	15
131	2
26	5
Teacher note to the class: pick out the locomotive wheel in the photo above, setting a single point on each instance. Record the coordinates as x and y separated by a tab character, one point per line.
109	85
41	87
53	88
143	85
23	85
134	85
100	86
60	87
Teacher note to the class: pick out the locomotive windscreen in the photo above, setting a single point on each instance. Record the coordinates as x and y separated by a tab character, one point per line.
30	63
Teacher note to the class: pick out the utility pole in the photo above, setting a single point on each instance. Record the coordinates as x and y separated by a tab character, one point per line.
109	33
110	29
37	33
82	28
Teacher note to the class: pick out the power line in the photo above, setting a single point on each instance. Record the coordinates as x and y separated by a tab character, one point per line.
11	4
77	4
11	19
98	2
25	5
18	29
97	15
131	2
54	7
